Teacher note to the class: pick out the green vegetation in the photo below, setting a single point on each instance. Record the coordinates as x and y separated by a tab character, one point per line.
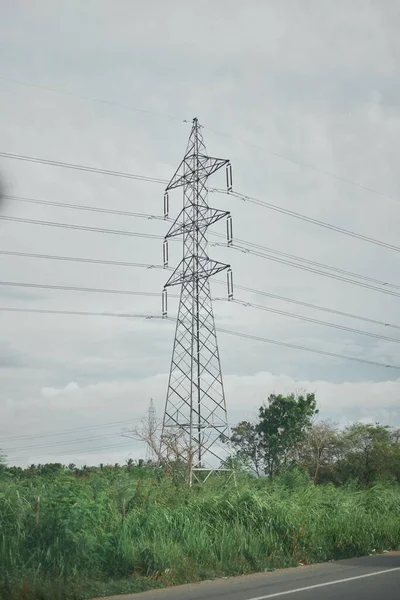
129	530
69	533
287	435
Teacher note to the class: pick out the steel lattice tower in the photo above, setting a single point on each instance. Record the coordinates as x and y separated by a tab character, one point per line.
151	425
195	407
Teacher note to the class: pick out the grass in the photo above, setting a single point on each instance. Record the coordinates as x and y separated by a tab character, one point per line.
63	537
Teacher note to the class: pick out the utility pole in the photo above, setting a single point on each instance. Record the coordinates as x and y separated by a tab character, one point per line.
195	408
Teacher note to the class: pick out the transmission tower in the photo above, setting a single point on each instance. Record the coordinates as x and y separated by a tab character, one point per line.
195	408
151	426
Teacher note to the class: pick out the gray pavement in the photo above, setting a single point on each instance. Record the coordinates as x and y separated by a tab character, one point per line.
365	578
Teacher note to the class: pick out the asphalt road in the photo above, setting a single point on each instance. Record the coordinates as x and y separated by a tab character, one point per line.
366	578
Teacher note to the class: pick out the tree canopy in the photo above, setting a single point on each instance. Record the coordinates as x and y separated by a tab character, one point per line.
288	434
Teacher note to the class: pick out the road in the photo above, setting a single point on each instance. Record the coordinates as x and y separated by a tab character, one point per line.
365	578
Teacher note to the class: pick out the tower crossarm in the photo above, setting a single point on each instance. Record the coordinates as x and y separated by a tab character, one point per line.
186	222
205	268
188	174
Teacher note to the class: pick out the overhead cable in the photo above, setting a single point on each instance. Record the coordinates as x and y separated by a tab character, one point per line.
58	163
261	339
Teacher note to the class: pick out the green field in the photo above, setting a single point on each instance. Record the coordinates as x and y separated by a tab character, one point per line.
117	530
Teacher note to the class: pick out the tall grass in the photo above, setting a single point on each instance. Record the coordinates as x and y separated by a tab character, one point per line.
122	534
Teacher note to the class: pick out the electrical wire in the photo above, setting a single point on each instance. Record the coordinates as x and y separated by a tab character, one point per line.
221	133
317	271
237	301
66	431
245	245
65	165
235	194
160	237
155	294
83	260
266	340
309	305
307	349
155	266
91	99
82	228
311	220
73	288
306	165
65	443
82	313
99	209
79	452
310	319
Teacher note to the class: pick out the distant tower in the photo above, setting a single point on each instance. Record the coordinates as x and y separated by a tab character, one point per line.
195	404
151	427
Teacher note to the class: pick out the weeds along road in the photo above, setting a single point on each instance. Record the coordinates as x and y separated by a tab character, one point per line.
365	578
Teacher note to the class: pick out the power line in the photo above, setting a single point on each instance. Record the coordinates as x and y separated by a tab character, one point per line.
317	271
302	217
155	294
171	117
307	166
309	305
91	99
312	320
159	237
79	452
153	236
237	301
307	349
65	165
246	245
155	266
66	431
81	259
73	288
84	207
65	443
235	194
82	227
83	313
248	336
241	249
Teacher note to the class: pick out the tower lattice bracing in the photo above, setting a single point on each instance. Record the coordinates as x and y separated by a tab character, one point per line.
195	418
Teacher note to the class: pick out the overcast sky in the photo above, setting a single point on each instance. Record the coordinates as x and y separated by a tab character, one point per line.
314	81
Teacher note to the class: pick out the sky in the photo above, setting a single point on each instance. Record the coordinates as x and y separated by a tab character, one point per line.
302	97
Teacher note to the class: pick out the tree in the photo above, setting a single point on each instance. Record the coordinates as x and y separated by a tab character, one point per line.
273	442
283	424
170	449
320	449
372	452
246	441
